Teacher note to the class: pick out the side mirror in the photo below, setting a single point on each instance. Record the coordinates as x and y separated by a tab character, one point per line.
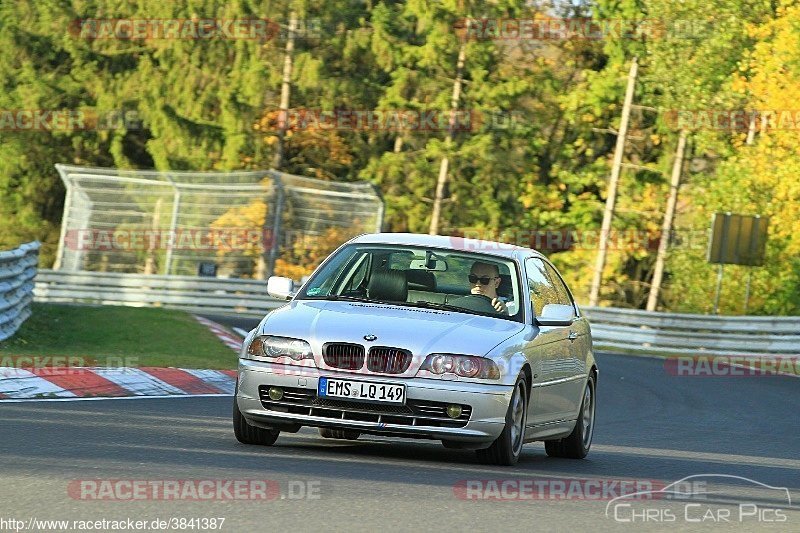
556	315
280	287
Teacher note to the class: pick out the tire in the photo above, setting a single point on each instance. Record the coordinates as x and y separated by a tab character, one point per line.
247	434
577	444
346	434
506	449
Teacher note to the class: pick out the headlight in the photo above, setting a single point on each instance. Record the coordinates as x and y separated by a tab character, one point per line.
274	347
468	366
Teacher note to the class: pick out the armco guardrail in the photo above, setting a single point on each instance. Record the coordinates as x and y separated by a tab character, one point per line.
633	330
17	271
189	293
612	328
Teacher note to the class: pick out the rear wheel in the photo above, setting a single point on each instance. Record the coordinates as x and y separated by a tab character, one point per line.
247	434
577	444
346	434
506	449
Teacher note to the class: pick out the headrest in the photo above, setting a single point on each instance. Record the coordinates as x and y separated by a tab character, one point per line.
421	279
505	289
388	285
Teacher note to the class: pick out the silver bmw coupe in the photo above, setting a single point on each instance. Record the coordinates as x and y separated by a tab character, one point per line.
475	343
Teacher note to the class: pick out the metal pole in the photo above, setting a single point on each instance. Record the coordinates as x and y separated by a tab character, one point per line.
747	289
666	228
723	254
719	289
176	202
751	129
85	204
64	224
751	134
379	221
286	87
276	227
441	181
611	196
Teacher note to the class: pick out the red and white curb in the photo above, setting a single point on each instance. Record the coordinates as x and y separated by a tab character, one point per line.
229	339
83	383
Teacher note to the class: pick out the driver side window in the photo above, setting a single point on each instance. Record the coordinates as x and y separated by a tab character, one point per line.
540	287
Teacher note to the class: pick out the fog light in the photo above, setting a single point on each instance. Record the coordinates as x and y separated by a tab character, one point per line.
275	393
453	410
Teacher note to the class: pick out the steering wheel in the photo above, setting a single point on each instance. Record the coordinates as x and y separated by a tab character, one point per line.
475	302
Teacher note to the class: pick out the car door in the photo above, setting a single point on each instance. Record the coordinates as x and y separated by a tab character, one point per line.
574	362
547	351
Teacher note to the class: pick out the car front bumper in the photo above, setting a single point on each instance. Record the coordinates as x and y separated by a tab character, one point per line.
488	403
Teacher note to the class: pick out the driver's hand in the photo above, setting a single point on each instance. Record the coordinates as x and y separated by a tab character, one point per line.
499	306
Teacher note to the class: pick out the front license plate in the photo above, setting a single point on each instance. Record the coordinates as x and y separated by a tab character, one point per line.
361	390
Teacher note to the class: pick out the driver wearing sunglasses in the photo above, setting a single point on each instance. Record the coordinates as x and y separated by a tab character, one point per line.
484	278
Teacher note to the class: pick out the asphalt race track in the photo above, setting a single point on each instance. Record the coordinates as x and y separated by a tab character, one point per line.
650	426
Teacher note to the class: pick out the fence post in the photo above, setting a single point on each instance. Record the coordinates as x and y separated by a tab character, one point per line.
64	225
276	226
176	202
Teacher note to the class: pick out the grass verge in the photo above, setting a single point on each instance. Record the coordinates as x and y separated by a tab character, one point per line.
117	336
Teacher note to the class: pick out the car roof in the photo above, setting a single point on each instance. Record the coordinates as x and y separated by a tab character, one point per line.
509	251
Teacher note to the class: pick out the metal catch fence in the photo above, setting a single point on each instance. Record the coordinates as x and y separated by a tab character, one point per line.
17	272
219	224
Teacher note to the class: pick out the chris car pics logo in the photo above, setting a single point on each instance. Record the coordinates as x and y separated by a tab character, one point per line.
704	499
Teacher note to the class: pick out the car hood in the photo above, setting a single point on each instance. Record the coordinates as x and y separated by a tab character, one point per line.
421	331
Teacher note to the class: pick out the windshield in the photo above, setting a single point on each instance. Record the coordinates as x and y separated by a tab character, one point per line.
420	277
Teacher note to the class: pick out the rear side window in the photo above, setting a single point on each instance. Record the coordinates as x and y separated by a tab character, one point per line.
562	294
540	286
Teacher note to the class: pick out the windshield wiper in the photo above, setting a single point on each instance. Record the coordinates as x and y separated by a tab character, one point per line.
337	297
434	305
422	304
449	307
429	305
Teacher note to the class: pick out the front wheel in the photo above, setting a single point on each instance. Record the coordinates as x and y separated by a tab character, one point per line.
577	444
506	449
247	434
